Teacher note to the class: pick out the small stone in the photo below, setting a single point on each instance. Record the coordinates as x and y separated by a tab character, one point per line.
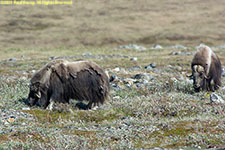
12	60
25	108
150	66
157	47
114	86
116	97
117	69
137	68
33	71
223	72
175	53
180	46
112	78
52	57
197	146
132	46
138	76
221	47
216	99
134	59
23	78
139	84
177	47
174	79
87	54
153	65
179	68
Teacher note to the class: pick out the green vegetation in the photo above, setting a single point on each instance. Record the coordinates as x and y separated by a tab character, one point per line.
164	113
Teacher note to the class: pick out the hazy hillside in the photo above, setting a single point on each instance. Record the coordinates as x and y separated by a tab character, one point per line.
104	22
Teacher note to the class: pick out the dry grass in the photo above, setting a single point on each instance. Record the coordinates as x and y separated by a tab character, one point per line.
104	23
165	113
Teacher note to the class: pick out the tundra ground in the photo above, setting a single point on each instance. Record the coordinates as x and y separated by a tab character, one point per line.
164	112
152	107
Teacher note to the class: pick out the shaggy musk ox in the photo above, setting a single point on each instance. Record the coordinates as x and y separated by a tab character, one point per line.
60	81
206	70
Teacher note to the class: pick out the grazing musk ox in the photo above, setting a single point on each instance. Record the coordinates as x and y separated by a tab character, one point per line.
206	70
60	81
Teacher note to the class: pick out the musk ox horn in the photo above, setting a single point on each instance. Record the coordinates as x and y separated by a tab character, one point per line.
189	76
201	69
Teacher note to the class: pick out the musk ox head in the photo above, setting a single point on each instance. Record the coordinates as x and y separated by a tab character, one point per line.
34	94
199	77
40	82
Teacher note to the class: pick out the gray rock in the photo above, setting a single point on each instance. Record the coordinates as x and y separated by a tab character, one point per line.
139	84
112	78
221	47
223	72
12	60
134	68
175	53
138	76
117	69
146	76
186	53
216	99
177	47
181	53
132	46
114	86
134	59
180	47
157	47
87	54
152	65
52	57
25	108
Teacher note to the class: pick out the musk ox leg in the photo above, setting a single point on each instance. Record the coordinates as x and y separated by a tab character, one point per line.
89	106
211	86
50	106
92	104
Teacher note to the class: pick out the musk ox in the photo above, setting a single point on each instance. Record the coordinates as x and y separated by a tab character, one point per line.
206	70
60	81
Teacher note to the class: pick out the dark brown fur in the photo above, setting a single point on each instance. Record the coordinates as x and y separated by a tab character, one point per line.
60	81
210	77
